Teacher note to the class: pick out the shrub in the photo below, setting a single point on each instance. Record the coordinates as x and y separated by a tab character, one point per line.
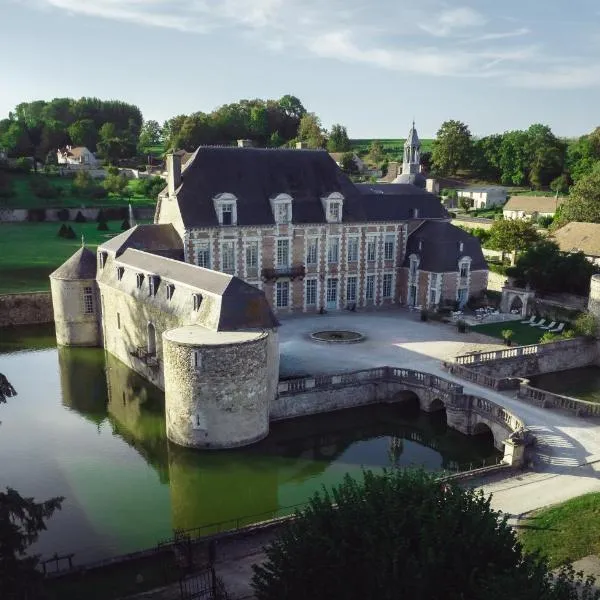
586	325
100	218
507	335
42	188
125	225
70	234
62	214
36	215
97	192
103	226
62	232
112	170
79	218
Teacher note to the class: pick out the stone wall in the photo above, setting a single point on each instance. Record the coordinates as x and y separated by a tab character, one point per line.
16	215
26	309
594	299
496	281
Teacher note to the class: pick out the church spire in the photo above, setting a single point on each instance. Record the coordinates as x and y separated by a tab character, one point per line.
411	163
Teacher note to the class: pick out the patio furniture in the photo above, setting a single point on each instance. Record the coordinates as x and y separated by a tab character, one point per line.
537	324
553	324
529	321
558	329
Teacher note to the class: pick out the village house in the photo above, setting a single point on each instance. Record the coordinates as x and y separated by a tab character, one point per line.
292	224
483	197
77	156
531	207
580	237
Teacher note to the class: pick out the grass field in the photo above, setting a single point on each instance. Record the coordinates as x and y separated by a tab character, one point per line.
566	532
523	334
24	197
29	252
393	148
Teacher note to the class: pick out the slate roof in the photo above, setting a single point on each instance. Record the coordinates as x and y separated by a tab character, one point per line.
395	202
157	239
531	204
242	305
579	237
440	250
412	138
82	265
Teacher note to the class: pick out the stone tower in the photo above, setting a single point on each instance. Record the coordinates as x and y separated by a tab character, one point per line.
75	301
411	160
594	300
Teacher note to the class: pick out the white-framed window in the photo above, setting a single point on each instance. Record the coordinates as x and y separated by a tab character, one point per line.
139	280
387	285
227	213
414	266
434	279
311	291
335	211
352	248
203	254
228	257
332	206
332	290
170	291
433	296
415	213
312	251
351	289
283	212
226	208
153	282
282	294
389	246
333	250
283	253
370	287
464	268
120	273
252	254
371	248
88	300
197	301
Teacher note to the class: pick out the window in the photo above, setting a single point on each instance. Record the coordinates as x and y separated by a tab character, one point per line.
282	212
311	292
371	248
102	259
120	271
153	282
228	257
251	255
197	301
334	212
414	266
415	213
387	285
332	291
227	213
139	278
118	320
434	279
351	289
464	269
196	359
88	300
333	250
312	251
352	249
388	247
370	287
283	253
203	254
432	296
282	293
170	291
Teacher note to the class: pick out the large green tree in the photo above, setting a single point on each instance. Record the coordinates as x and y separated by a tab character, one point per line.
547	155
452	147
150	135
338	140
486	157
310	131
403	535
583	203
512	235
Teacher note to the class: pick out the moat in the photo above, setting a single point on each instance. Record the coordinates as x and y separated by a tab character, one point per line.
85	427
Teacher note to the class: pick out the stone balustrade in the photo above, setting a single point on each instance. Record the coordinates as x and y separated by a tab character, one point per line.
546	399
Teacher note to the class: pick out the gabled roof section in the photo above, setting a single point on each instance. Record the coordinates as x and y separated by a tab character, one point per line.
254	175
579	237
82	265
440	248
156	239
531	204
395	202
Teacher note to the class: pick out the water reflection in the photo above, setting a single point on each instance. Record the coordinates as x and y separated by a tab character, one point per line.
582	383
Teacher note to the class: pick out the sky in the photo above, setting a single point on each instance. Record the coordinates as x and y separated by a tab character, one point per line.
371	65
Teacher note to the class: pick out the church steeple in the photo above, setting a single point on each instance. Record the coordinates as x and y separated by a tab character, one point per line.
411	163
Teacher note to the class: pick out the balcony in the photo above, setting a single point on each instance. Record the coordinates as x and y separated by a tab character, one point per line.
293	272
148	358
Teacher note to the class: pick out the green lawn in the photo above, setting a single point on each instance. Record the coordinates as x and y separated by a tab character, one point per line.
393	148
566	532
524	334
23	196
29	252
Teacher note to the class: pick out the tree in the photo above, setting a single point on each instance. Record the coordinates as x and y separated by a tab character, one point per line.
338	139
512	235
465	202
348	163
82	182
115	184
403	534
452	147
583	203
84	133
547	154
486	157
514	158
310	131
151	135
376	152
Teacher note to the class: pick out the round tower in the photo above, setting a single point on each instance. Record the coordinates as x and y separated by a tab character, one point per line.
594	300
217	386
75	301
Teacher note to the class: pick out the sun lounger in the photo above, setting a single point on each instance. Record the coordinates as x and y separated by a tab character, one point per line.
558	329
537	324
529	321
553	324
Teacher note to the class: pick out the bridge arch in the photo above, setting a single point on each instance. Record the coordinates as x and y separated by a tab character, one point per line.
488	428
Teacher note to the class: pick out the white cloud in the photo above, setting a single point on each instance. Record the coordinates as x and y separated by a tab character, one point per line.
455	42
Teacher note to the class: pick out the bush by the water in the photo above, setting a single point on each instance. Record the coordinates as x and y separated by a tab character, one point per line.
79	218
403	534
103	226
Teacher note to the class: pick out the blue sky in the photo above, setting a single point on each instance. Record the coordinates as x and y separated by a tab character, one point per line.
370	65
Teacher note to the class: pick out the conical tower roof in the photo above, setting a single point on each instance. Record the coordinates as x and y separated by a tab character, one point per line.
413	138
82	265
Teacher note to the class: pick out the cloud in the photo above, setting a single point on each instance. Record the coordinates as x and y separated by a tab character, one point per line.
454	42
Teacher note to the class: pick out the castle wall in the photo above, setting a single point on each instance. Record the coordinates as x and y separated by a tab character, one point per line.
216	395
594	300
75	326
25	309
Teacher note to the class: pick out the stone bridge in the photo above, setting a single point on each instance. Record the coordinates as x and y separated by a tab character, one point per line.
466	413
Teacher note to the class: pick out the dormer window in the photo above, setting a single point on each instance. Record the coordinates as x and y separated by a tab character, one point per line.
102	256
170	291
120	272
333	206
464	266
415	213
139	280
226	209
282	208
153	281
197	301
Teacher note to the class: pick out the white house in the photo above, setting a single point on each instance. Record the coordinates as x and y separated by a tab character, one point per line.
78	156
531	207
484	197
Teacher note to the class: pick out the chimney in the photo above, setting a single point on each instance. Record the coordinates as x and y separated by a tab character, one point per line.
173	172
245	143
301	145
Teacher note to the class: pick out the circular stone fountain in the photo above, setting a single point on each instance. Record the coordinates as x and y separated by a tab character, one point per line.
337	336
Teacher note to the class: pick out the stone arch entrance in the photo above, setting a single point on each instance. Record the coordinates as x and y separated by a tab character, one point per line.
408	399
436	405
517	299
516	304
151	339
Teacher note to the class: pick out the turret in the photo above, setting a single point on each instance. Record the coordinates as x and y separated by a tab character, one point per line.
75	301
